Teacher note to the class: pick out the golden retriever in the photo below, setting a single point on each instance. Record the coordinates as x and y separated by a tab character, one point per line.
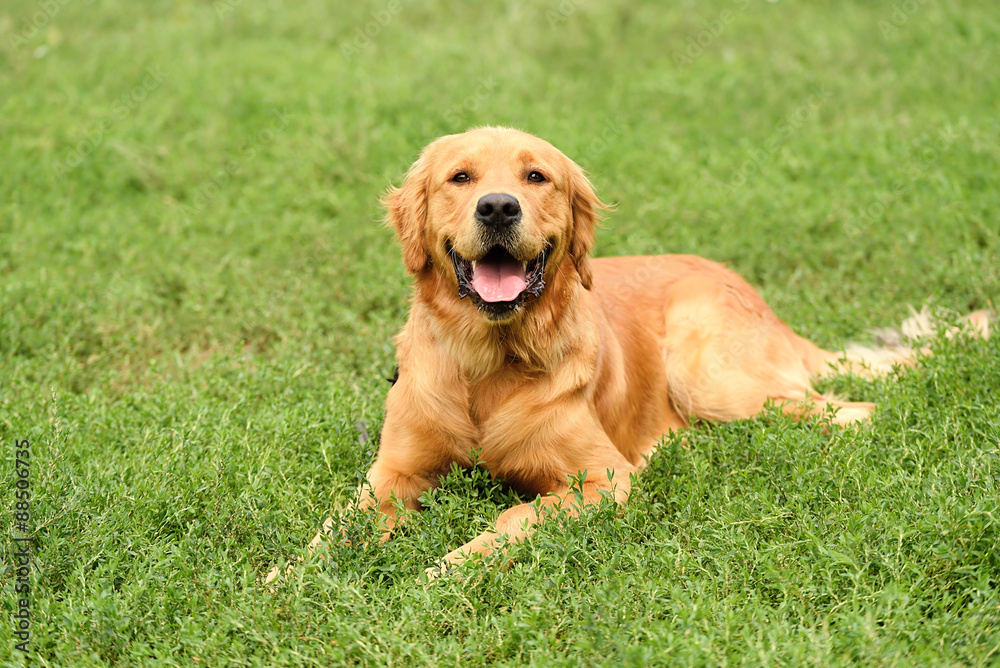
550	365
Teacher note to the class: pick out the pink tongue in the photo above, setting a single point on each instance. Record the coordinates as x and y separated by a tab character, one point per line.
499	281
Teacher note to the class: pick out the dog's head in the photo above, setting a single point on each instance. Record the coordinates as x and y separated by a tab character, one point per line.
497	212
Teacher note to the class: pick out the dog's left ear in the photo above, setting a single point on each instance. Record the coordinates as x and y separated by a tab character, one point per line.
587	208
406	212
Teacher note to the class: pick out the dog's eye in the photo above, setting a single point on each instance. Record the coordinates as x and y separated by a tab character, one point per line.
537	177
461	177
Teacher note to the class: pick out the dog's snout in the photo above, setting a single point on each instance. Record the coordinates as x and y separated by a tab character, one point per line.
498	210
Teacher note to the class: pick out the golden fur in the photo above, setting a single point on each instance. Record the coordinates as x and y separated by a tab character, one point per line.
588	376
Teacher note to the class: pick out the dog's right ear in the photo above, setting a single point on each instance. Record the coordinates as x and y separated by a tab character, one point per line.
406	212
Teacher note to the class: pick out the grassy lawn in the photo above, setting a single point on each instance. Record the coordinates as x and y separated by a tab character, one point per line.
198	299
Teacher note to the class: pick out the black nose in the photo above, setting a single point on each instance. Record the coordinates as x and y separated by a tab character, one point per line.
498	210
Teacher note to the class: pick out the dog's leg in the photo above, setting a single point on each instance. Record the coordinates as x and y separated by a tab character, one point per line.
517	523
387	488
727	355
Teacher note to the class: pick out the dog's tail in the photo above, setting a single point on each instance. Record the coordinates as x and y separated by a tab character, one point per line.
897	346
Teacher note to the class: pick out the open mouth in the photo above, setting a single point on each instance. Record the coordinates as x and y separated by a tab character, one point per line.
498	282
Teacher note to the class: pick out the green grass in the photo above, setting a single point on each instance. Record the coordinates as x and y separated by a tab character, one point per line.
197	304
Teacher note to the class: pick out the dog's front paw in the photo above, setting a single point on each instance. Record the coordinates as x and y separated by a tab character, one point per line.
441	569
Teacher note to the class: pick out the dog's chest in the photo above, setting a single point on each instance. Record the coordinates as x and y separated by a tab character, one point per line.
488	394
